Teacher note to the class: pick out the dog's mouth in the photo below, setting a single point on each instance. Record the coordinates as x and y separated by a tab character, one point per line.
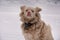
28	14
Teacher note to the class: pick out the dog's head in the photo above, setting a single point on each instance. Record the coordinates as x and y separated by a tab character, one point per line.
29	12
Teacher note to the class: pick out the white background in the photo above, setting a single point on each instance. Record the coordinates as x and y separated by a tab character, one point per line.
10	21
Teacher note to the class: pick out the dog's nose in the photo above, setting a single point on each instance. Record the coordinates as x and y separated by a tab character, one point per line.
28	14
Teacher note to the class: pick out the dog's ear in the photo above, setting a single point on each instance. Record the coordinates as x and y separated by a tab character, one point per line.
38	9
22	8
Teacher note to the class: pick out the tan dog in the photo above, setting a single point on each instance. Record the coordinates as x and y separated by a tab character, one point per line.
33	27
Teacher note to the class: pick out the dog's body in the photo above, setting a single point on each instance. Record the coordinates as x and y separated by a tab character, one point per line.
34	28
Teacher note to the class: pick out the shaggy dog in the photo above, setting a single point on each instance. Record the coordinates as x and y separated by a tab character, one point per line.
32	26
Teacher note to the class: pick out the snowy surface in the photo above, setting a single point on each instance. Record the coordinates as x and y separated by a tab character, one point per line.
10	22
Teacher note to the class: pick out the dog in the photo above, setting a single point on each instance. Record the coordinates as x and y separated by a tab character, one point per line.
33	27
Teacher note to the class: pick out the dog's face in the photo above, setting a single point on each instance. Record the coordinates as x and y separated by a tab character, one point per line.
30	12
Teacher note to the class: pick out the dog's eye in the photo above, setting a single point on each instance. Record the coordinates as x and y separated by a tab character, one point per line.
26	10
32	10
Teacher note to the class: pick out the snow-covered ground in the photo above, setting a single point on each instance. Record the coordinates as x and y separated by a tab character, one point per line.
10	22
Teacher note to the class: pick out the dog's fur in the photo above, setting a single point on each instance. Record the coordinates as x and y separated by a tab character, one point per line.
38	30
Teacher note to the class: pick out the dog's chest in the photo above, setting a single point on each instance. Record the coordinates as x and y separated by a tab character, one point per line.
34	35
